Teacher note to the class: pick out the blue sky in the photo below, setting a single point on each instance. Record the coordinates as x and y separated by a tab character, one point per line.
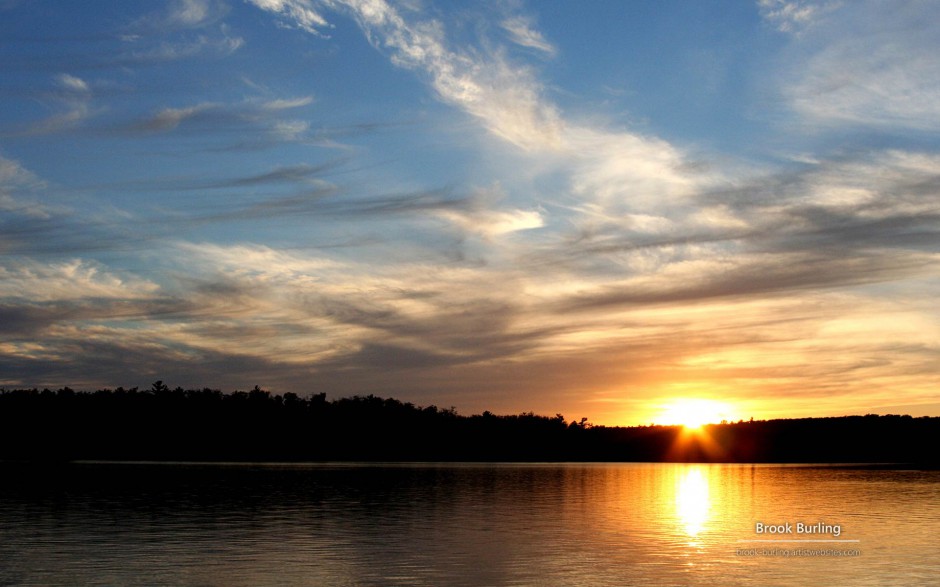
589	208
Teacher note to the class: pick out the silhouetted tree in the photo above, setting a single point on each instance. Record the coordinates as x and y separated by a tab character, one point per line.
206	424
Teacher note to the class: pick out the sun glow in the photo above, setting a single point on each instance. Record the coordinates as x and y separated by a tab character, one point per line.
694	413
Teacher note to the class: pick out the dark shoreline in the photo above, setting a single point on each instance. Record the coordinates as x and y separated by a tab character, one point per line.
468	464
162	425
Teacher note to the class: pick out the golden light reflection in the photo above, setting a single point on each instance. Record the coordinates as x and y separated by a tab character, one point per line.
692	500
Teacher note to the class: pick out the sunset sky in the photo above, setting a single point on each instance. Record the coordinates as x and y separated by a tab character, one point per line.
593	208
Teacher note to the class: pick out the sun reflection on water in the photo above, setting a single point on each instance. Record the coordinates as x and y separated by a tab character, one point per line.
692	500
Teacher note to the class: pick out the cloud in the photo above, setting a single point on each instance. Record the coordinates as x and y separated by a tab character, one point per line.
303	176
14	175
505	98
130	50
291	174
310	322
170	118
180	14
74	83
868	65
15	182
508	100
355	306
490	223
754	276
522	33
292	192
288	103
44	230
838	225
184	30
299	12
74	94
624	171
74	279
32	223
794	16
289	130
480	215
637	196
250	114
219	46
91	356
190	12
885	199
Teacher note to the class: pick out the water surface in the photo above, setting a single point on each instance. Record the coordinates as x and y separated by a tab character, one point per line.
464	524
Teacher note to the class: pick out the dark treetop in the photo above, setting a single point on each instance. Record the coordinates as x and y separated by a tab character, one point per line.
208	425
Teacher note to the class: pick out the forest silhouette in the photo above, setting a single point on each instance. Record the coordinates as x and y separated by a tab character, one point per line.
207	425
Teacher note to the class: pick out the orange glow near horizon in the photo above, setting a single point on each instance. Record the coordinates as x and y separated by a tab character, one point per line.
692	414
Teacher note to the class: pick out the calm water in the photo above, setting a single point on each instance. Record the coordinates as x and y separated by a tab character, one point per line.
601	524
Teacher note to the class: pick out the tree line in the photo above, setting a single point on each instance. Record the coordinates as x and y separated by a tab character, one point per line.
255	425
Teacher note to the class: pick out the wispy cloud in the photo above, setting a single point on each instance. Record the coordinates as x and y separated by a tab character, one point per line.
522	33
191	12
14	175
33	223
868	64
794	16
508	100
74	95
181	14
299	13
73	83
184	29
253	113
170	118
212	45
287	103
15	180
503	96
70	280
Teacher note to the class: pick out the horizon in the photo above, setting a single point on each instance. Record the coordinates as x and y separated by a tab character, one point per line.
625	212
160	424
582	421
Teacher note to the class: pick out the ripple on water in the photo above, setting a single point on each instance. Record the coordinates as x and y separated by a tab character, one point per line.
594	524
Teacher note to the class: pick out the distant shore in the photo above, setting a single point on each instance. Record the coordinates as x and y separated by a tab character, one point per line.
256	426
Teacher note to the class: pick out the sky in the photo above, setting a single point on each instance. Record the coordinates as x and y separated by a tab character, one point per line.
589	208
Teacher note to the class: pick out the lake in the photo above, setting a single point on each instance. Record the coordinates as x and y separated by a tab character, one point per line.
467	524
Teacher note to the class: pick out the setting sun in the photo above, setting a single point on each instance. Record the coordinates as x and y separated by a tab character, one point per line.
695	413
